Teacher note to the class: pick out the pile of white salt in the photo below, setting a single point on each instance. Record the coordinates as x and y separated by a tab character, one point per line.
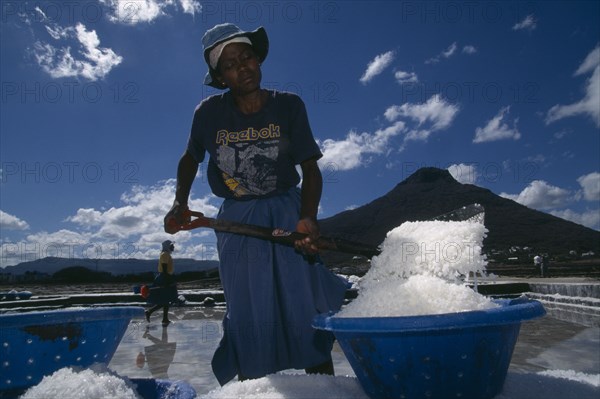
419	271
93	383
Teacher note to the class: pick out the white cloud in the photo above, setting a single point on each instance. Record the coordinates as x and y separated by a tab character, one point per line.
86	217
541	195
132	229
11	222
436	113
590	63
588	218
79	53
57	32
134	12
130	12
562	134
590	185
377	66
449	52
590	104
191	7
102	60
354	150
40	13
405	77
343	154
143	211
463	173
89	61
350	153
497	129
468	49
528	23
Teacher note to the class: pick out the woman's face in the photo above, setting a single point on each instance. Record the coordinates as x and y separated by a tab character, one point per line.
239	68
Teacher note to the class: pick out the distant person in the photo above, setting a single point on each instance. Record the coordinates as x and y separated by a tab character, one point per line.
537	262
544	266
164	290
255	139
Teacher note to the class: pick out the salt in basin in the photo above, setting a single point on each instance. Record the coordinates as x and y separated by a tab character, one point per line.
452	355
36	344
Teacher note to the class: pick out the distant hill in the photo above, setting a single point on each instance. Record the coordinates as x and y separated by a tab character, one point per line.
431	191
51	265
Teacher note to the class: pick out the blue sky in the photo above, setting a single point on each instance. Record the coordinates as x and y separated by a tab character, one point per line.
97	100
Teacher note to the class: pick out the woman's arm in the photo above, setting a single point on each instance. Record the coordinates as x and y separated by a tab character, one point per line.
312	187
186	172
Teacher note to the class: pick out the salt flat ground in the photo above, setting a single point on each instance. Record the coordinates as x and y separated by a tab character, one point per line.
183	351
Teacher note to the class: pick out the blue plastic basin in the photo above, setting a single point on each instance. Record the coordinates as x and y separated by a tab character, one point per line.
149	388
455	355
36	344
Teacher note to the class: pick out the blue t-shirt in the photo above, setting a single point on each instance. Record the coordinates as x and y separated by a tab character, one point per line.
252	156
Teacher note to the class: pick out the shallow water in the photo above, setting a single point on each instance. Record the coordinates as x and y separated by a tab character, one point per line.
184	349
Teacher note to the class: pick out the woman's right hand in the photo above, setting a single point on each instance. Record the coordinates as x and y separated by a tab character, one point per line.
177	216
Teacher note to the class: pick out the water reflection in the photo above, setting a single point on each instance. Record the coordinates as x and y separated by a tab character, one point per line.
159	355
547	343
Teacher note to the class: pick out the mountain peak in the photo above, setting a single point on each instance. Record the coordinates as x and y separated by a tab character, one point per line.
429	192
429	175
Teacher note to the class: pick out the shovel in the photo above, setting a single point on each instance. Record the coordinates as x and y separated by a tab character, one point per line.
286	237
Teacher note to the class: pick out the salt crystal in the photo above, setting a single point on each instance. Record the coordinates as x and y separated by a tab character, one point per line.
419	271
418	295
89	384
291	386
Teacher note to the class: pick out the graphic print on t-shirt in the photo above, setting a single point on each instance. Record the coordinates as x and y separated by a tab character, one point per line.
248	159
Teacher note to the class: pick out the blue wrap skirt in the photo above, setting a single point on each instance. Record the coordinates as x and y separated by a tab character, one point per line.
163	291
272	294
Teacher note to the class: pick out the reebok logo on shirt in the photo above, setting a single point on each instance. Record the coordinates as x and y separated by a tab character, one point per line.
225	137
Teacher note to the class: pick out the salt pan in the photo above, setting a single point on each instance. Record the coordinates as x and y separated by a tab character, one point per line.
591	379
88	384
284	386
419	269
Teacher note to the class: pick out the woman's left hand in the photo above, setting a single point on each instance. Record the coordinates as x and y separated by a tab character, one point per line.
311	227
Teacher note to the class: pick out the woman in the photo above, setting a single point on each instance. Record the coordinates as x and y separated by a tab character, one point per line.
163	290
255	139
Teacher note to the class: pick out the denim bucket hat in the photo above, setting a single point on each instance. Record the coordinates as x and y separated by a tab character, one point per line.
224	32
167	245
